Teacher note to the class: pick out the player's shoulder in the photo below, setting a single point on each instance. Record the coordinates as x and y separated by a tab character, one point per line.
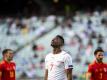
12	62
91	64
48	55
105	64
66	53
2	62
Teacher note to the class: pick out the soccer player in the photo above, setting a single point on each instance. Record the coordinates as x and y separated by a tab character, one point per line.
7	67
97	70
58	63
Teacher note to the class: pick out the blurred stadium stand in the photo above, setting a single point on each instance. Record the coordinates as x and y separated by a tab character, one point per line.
29	27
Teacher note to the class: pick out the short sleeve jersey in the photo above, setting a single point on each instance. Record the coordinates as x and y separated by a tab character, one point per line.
98	71
57	64
7	70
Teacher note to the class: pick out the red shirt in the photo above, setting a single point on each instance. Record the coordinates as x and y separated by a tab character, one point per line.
7	70
98	71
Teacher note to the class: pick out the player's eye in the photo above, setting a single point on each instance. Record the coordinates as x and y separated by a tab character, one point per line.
11	53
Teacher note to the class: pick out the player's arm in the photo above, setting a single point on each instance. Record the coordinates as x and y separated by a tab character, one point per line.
0	74
0	71
46	74
88	76
68	66
69	73
89	72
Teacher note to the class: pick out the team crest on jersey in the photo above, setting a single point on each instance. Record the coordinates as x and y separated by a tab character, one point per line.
105	70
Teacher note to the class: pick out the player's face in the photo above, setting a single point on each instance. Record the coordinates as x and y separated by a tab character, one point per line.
9	55
56	42
99	56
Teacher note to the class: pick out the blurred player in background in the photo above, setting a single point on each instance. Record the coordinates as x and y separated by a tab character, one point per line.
58	64
7	67
97	70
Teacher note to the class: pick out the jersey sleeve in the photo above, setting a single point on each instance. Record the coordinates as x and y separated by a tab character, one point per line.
90	69
68	61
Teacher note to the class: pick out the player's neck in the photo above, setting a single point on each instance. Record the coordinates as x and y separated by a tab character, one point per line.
56	50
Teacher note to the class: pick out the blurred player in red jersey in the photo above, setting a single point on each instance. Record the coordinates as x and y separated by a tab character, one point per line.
7	67
97	70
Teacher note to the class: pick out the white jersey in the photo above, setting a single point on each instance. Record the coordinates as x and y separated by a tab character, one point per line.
57	64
